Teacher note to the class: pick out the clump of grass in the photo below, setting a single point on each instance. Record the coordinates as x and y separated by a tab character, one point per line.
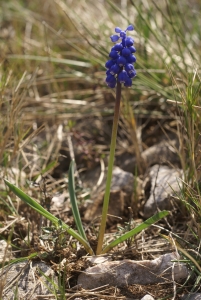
189	127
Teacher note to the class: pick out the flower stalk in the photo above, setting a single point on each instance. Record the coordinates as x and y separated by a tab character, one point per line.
120	70
110	168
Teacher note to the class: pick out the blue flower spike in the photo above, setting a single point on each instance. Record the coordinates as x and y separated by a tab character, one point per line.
120	66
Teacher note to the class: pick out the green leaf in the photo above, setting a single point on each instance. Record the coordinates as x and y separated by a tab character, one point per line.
37	207
73	200
136	230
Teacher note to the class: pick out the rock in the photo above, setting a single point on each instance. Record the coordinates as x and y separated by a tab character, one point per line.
121	195
163	152
147	297
192	296
127	272
164	183
5	252
26	278
122	180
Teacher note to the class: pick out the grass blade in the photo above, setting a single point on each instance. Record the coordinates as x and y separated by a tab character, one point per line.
136	230
36	206
18	260
52	59
73	201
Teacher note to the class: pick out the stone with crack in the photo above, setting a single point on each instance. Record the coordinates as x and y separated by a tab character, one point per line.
128	272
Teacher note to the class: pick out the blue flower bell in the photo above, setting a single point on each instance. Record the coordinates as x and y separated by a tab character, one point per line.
120	66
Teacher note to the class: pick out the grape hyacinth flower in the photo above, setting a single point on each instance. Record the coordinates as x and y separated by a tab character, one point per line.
120	66
120	70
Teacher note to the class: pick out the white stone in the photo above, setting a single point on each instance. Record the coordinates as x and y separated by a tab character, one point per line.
99	259
147	297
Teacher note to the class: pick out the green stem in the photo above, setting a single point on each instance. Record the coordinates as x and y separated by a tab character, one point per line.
110	168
